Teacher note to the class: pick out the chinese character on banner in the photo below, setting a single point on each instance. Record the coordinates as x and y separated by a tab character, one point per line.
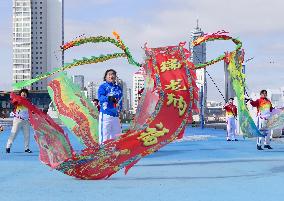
170	64
177	102
150	137
175	85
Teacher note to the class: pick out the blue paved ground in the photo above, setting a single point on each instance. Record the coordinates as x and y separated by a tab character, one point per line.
202	167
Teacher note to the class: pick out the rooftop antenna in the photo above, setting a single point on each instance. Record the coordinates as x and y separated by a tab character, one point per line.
197	24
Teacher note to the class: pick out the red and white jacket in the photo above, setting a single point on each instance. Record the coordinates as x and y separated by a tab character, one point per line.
263	105
231	110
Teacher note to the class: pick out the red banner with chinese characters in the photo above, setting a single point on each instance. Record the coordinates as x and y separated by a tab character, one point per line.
175	90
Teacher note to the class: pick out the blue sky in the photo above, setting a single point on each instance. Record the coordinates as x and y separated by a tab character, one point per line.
258	23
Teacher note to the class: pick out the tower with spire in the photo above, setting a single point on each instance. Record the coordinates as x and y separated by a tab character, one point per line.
198	55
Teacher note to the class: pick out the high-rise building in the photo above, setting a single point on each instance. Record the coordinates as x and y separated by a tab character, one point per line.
37	37
92	90
138	84
79	80
198	56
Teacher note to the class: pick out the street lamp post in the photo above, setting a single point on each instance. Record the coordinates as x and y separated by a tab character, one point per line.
201	108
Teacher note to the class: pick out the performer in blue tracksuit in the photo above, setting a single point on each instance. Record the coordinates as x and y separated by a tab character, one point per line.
110	97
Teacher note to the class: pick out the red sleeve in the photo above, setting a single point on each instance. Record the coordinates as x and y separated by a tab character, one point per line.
235	111
15	102
254	103
14	99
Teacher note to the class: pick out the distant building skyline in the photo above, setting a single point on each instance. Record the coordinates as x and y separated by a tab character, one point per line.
100	18
92	90
37	34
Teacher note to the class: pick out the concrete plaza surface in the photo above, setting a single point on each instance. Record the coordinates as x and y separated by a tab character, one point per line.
200	167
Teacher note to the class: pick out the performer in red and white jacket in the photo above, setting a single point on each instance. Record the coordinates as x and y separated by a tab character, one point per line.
231	115
264	109
20	121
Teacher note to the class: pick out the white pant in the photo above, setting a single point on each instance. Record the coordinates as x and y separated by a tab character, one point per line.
18	124
261	123
109	127
231	128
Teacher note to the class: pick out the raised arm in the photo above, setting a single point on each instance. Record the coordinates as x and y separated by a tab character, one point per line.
254	103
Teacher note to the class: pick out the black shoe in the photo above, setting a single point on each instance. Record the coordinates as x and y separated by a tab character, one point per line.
28	151
267	147
228	140
258	147
236	140
7	150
